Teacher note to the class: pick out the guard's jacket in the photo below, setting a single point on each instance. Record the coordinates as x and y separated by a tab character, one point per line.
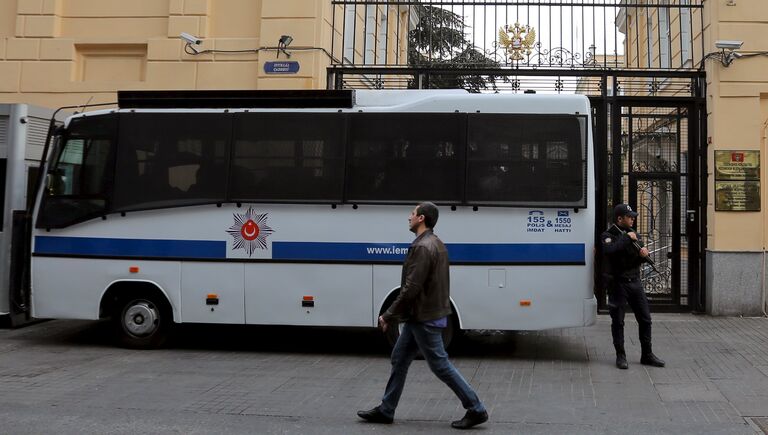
621	259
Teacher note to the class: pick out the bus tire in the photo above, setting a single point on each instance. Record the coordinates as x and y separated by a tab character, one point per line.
142	321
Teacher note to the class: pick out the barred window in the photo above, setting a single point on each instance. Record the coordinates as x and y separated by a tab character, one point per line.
526	160
171	159
405	157
287	156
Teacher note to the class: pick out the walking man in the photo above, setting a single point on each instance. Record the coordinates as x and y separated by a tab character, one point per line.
424	306
623	253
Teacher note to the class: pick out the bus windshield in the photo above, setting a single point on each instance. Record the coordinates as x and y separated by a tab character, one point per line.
79	175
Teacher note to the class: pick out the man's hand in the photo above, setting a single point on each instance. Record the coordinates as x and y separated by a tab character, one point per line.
383	323
644	252
632	235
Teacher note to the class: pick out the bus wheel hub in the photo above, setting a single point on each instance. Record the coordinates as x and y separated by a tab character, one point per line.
140	319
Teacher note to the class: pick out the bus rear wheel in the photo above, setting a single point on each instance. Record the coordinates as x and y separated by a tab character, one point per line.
142	322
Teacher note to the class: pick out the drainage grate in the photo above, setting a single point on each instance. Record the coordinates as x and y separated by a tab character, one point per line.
759	423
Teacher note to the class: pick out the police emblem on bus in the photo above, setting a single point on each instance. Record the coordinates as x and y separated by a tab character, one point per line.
250	231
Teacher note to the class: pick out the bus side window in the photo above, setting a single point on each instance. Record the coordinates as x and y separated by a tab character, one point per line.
206	174
384	159
162	157
287	157
526	159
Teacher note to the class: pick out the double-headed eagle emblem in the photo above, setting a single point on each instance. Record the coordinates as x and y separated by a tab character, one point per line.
517	40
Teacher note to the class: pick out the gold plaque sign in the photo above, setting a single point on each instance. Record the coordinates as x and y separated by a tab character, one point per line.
737	165
737	180
737	195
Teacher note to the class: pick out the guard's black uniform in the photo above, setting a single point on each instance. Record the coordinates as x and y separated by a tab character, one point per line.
622	280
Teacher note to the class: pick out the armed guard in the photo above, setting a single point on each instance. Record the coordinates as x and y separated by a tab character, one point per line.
623	253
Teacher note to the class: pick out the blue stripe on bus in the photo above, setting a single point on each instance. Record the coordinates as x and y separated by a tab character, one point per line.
510	253
540	253
108	247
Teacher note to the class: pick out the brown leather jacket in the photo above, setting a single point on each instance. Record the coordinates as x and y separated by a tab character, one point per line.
425	283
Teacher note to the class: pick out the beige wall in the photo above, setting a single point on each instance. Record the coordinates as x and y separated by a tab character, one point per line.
736	102
64	52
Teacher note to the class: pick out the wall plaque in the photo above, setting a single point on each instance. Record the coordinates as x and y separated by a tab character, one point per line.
737	180
737	196
737	165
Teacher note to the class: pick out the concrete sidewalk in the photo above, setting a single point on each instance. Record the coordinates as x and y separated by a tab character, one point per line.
66	377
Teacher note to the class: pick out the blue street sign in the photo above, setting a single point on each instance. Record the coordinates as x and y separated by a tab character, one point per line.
282	67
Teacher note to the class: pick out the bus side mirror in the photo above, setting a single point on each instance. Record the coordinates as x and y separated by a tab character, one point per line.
55	182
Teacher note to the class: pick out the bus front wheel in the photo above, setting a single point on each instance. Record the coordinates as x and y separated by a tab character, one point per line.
142	322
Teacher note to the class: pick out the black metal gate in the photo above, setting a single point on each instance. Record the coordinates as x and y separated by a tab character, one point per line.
648	110
659	171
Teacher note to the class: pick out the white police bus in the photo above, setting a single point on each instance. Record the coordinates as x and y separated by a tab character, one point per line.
291	207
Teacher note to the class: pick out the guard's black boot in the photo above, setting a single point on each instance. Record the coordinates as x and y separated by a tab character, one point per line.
621	361
374	416
471	419
621	357
649	359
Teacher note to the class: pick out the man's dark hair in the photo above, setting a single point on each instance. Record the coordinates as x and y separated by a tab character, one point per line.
430	213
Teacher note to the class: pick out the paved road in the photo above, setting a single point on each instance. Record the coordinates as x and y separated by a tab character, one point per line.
65	377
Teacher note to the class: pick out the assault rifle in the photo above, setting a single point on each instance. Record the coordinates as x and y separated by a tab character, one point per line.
637	246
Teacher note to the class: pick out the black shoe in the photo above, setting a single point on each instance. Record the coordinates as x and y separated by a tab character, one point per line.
471	418
649	359
375	416
621	361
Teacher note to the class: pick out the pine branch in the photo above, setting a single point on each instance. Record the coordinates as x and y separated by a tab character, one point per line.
439	40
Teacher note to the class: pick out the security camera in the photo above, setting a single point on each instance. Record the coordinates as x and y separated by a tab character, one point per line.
729	45
729	57
191	39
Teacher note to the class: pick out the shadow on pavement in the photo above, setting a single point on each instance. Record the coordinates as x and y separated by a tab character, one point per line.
296	339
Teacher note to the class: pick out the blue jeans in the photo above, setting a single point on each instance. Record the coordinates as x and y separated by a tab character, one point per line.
414	337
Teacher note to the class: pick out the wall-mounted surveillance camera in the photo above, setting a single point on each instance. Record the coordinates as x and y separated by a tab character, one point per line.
190	39
728	45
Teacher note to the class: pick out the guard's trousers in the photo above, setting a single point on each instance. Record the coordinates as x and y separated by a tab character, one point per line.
630	293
